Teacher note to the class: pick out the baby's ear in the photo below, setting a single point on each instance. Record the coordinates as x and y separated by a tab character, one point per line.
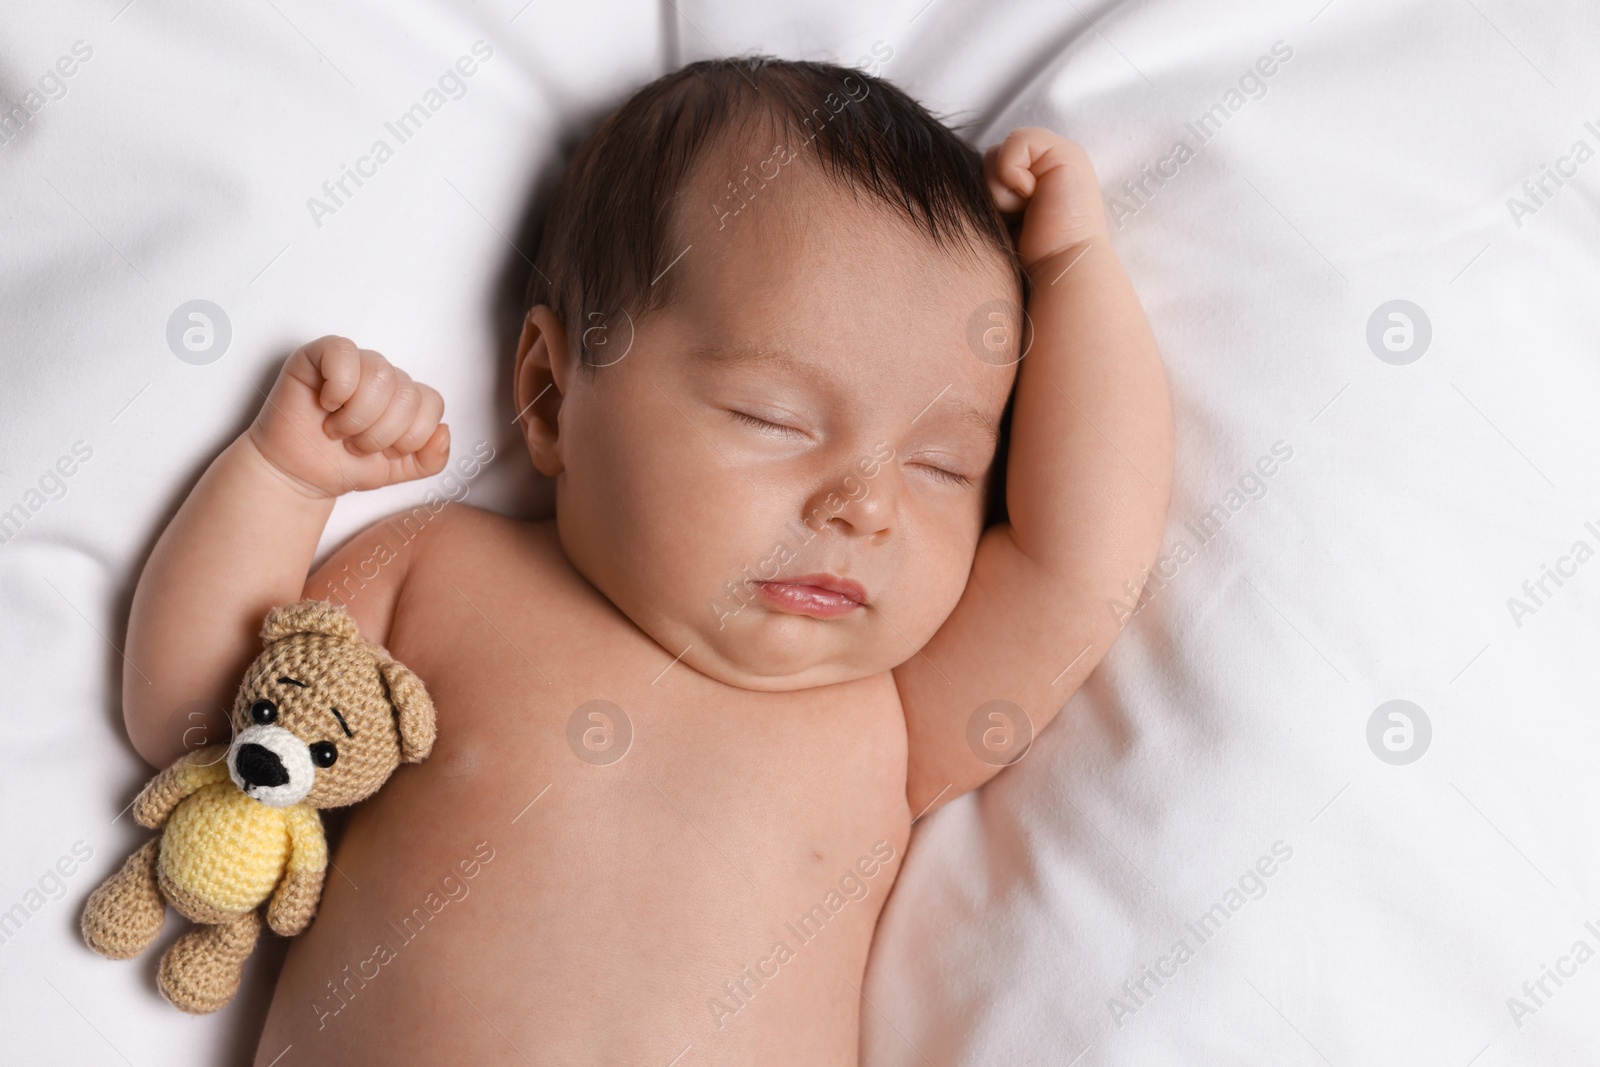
540	381
308	617
413	711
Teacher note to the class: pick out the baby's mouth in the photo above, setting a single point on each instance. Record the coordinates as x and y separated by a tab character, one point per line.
821	596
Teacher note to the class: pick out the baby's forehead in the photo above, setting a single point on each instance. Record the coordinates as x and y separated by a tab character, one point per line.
751	185
793	276
760	169
767	222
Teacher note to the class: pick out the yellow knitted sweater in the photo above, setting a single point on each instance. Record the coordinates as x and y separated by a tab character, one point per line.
231	851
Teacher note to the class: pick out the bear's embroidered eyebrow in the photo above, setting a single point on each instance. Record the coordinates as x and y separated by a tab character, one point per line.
342	724
286	680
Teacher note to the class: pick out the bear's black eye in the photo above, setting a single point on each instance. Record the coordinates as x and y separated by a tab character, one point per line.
323	754
263	712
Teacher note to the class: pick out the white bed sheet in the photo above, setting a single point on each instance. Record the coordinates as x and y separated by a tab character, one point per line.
1375	563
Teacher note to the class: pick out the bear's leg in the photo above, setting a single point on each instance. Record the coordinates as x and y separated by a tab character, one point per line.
200	972
125	914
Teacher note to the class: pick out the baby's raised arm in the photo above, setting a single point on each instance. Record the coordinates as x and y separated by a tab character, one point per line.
1087	479
338	418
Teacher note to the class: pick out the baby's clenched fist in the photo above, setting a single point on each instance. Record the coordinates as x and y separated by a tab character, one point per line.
1050	180
341	418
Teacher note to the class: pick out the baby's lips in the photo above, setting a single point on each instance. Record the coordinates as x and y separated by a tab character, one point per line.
804	599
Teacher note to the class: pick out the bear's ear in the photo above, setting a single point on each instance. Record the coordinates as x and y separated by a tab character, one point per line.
413	711
308	617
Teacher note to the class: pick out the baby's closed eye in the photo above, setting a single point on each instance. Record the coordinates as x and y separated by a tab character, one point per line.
766	426
943	474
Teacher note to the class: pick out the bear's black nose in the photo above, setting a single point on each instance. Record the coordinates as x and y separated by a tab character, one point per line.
259	765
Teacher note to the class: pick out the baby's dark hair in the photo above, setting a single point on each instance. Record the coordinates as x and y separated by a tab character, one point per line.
605	236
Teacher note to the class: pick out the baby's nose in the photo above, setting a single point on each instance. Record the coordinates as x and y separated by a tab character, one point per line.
259	765
854	505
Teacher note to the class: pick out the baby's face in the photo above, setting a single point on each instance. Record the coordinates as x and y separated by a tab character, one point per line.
806	413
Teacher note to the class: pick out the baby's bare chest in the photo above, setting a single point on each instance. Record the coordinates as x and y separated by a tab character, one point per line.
539	680
652	829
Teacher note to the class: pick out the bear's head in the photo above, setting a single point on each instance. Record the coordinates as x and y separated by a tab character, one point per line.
324	716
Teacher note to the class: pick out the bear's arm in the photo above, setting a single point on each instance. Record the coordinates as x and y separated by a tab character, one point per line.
191	771
295	900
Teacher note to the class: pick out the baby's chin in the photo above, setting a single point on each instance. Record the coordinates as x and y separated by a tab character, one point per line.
772	652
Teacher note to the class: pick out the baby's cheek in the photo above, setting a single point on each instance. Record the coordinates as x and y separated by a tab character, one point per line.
939	579
716	527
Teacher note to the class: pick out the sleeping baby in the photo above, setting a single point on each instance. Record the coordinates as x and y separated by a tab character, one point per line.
836	528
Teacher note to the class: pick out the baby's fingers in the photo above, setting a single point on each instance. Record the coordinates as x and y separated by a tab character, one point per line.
425	461
393	421
376	388
331	366
1007	168
424	420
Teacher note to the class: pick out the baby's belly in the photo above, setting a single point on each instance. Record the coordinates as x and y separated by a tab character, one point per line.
710	895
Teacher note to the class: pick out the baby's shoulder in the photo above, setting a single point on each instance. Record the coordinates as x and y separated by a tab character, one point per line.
462	535
383	567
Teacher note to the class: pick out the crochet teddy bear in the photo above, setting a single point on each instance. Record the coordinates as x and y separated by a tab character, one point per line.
322	719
